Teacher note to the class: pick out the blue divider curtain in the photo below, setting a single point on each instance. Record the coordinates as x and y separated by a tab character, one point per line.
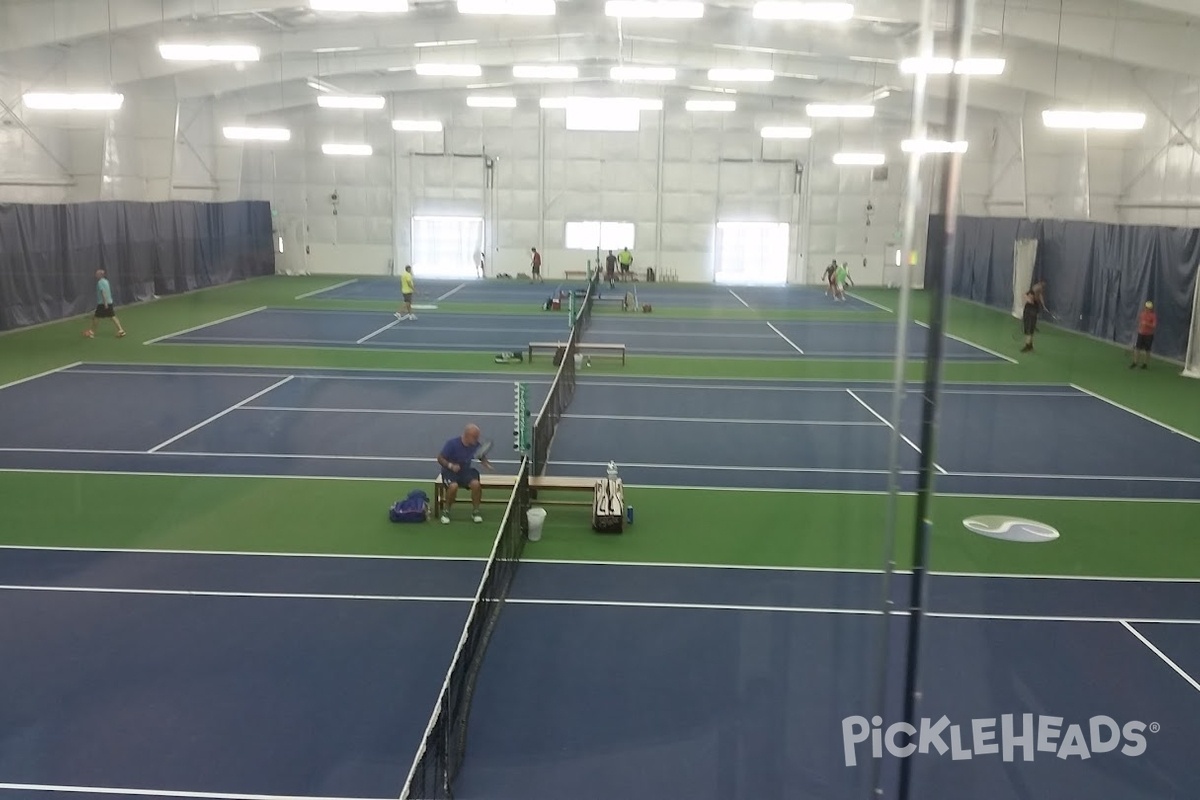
49	253
1097	275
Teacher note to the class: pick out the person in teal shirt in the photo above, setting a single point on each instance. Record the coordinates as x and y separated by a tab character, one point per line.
105	309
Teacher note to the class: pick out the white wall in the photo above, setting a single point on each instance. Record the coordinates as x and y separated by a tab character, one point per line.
675	179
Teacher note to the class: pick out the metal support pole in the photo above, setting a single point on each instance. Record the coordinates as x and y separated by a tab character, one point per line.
957	106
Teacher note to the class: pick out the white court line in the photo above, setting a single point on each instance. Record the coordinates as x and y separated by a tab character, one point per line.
17	587
44	787
1151	478
1125	624
432	378
373	334
452	291
632	604
237	553
218	415
786	339
885	422
970	343
205	325
197	454
869	302
739	299
1129	410
604	563
326	289
606	417
40	375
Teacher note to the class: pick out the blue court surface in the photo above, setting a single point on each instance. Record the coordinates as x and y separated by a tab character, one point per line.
252	676
778	435
669	295
642	334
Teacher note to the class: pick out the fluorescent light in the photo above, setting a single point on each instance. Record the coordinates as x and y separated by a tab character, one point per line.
349	49
654	9
727	75
331	149
373	102
980	66
361	6
859	159
813	12
484	101
924	146
449	70
209	52
710	105
519	8
71	101
940	65
257	134
546	72
833	110
447	43
928	66
783	132
416	125
1098	120
642	74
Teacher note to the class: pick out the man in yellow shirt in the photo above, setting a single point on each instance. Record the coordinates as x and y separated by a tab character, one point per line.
406	289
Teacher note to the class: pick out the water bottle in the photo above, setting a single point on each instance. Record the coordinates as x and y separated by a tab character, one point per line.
612	470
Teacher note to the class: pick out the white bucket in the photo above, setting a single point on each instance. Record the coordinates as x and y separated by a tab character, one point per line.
537	518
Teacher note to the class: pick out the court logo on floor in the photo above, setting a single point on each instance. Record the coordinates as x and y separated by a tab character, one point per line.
1012	529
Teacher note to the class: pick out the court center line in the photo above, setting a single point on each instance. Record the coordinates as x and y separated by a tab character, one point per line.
452	291
795	346
52	788
1129	410
1161	655
739	299
158	339
41	375
373	334
326	289
218	415
881	418
606	417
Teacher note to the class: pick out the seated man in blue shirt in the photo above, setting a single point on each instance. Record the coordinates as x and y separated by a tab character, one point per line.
455	461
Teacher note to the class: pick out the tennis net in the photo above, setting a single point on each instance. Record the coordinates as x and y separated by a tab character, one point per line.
444	746
562	391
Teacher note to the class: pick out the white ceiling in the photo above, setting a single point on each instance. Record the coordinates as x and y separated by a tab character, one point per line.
1096	52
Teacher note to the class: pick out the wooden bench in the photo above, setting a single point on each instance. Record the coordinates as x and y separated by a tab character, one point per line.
598	348
508	482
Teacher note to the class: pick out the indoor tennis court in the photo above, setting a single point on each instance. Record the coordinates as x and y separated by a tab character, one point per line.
897	366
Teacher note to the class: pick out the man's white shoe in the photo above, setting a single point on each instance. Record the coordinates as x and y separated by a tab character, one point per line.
445	519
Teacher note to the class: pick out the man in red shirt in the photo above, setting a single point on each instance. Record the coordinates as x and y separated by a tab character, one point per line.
1147	323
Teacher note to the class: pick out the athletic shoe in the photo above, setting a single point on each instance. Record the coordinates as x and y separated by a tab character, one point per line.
445	519
477	517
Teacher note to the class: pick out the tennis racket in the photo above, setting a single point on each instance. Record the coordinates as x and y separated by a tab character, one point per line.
485	447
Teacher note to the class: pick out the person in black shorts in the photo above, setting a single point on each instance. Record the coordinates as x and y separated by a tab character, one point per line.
1029	316
535	264
610	269
455	461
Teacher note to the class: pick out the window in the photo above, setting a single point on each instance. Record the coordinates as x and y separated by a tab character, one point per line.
446	247
605	235
752	253
607	114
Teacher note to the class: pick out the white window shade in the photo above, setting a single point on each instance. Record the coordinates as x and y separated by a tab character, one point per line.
751	253
605	235
446	247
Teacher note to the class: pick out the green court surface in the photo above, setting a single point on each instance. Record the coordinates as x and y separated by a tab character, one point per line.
1100	537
